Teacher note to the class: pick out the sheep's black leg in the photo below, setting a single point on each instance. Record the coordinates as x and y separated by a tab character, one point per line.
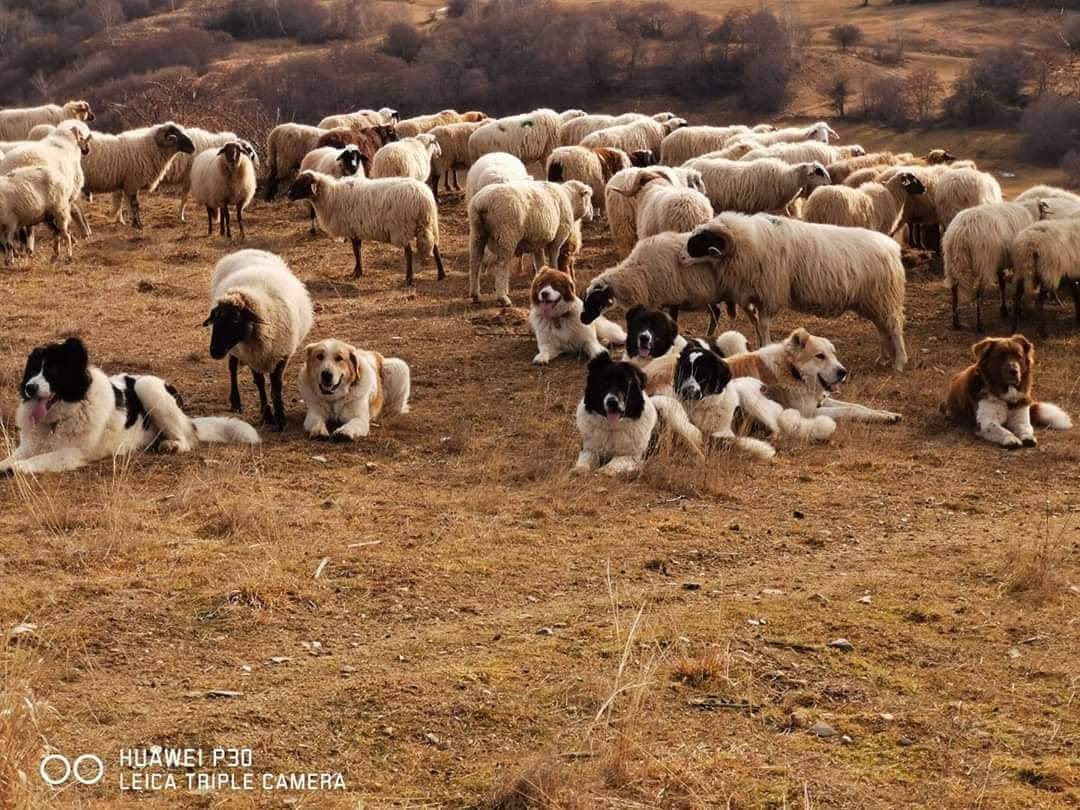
226	225
714	319
439	264
264	406
234	387
1001	289
1018	305
955	308
136	219
434	182
358	268
978	311
674	313
1040	304
314	232
209	221
1076	301
275	393
408	265
271	186
240	220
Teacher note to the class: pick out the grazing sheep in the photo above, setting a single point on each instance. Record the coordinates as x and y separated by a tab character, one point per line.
766	185
530	137
524	216
62	150
368	140
920	211
875	206
1041	193
769	263
572	131
654	276
394	210
179	171
285	149
621	208
220	178
691	142
804	152
975	250
645	133
842	169
957	189
347	162
665	206
1043	255
591	166
819	131
494	167
360	118
409	157
29	197
411	127
16	123
133	161
260	314
453	140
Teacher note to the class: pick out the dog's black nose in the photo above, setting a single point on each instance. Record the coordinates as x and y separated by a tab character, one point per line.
841	374
31	390
327	378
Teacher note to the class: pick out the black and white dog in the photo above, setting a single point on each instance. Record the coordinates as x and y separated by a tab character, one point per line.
72	414
617	419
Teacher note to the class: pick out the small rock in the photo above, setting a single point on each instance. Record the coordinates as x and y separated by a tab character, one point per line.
346	670
842	644
320	459
246	667
328	503
388	731
691	586
734	527
820	729
771	592
905	741
888	718
798	515
799	718
820	598
846	740
280	659
864	600
431	738
545	631
370	466
1014	653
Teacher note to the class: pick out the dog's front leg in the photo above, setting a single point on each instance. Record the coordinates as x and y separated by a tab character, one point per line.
587	461
69	458
315	425
358	426
990	418
1019	422
622	465
858	413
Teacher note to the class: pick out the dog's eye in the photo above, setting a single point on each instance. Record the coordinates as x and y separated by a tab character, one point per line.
321	357
821	357
338	359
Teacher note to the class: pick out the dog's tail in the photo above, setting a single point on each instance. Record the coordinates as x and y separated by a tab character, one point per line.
224	429
396	386
675	417
759	449
1046	414
817	428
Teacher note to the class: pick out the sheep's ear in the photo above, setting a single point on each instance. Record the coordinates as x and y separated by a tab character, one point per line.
210	318
221	151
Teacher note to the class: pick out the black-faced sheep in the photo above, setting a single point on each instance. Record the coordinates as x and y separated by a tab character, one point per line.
222	177
876	206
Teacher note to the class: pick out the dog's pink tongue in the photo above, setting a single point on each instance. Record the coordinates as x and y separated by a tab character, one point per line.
643	353
547	308
614	417
41	407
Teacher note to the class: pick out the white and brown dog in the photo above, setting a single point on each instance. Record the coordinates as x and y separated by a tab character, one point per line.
344	388
802	373
995	394
555	319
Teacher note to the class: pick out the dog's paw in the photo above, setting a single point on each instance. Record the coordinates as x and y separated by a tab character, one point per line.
173	446
1011	443
319	432
1030	441
542	359
340	438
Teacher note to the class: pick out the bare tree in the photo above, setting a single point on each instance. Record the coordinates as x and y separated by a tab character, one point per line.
108	14
846	36
924	90
837	90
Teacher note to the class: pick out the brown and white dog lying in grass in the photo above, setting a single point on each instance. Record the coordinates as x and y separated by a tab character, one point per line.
344	388
995	394
555	319
802	373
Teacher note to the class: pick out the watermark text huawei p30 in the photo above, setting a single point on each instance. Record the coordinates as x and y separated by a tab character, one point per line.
198	770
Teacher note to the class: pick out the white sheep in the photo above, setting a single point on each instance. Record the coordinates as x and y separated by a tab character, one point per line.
179	171
876	206
819	131
840	170
62	150
394	210
621	208
957	189
29	197
1043	193
16	122
572	131
525	216
260	315
285	149
1043	255
664	205
453	140
221	177
494	167
643	134
766	185
767	264
805	152
360	118
133	161
347	162
530	136
408	157
691	142
411	127
42	131
592	166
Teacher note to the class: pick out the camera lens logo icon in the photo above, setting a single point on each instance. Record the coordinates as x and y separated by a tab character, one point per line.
56	769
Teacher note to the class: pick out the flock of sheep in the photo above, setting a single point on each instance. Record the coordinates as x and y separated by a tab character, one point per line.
801	223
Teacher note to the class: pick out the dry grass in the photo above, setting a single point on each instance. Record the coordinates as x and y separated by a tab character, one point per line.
1037	564
492	628
23	721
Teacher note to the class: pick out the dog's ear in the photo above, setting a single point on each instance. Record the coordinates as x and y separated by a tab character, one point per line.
1026	346
633	312
75	349
723	372
309	352
354	364
979	350
799	338
600	361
